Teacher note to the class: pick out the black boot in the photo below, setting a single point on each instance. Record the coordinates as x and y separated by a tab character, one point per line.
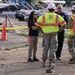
35	59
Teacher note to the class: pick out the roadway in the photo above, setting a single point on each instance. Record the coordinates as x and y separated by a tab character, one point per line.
12	40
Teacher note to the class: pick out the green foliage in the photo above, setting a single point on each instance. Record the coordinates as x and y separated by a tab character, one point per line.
25	35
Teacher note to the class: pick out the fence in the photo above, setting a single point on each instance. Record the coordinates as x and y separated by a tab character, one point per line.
13	25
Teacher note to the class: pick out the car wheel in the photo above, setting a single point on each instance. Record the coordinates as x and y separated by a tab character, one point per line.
16	16
21	18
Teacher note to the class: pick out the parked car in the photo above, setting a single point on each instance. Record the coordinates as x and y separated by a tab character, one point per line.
11	7
22	15
24	12
43	4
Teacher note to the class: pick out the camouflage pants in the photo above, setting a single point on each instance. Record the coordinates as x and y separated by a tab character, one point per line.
71	45
49	46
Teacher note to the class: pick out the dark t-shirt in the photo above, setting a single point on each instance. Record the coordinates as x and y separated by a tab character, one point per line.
64	16
31	31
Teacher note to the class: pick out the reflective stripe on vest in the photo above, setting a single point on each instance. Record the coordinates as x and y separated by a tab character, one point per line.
72	30
50	27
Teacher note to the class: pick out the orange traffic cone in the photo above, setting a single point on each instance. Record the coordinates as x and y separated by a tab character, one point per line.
3	31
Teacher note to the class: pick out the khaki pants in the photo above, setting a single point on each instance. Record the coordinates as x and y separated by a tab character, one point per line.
33	46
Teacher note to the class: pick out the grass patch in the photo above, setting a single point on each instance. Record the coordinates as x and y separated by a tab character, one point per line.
21	46
25	35
17	47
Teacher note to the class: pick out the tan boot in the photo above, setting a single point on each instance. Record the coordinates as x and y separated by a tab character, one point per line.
51	64
49	70
72	61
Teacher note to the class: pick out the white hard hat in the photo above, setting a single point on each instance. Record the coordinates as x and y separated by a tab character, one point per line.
51	6
73	7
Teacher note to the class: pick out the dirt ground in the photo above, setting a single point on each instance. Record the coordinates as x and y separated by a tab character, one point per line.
14	62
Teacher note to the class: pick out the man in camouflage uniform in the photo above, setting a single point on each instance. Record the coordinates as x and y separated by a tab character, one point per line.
48	23
71	38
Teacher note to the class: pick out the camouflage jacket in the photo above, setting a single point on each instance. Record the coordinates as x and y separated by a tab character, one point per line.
70	23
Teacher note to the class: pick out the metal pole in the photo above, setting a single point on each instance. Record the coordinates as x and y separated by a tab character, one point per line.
6	20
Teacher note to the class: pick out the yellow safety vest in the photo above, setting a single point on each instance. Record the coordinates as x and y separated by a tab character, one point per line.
49	22
0	0
72	30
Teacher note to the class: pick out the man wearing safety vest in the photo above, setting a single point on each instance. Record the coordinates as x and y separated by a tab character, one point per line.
48	23
71	38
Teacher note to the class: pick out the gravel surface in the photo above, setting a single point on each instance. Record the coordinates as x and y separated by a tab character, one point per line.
14	62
